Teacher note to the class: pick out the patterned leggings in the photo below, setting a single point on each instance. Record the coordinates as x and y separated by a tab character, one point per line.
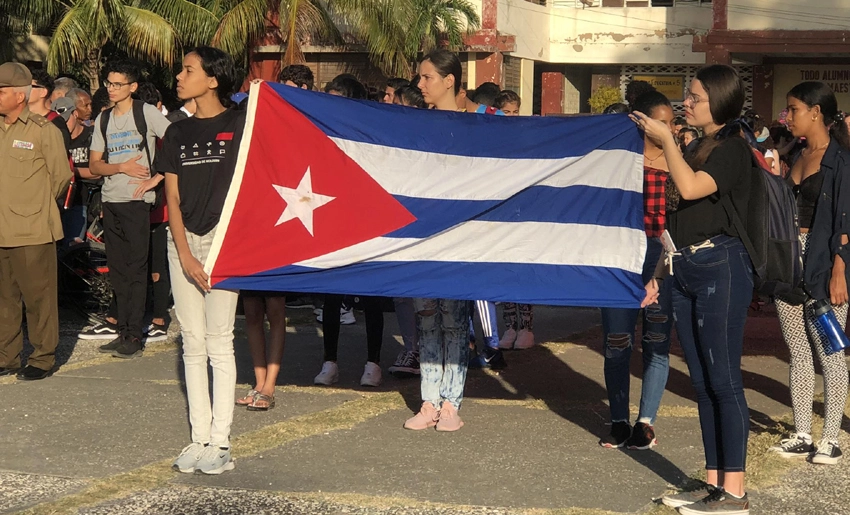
805	337
526	316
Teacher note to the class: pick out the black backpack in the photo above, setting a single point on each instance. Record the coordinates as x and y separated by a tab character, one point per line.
772	234
141	126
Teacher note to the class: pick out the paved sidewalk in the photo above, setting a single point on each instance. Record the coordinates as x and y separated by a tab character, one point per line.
98	437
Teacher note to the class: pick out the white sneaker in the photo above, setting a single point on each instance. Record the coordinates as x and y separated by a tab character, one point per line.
215	460
524	339
371	375
318	312
329	374
346	316
187	462
508	339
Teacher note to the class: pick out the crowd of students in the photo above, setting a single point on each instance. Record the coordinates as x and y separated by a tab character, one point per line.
698	274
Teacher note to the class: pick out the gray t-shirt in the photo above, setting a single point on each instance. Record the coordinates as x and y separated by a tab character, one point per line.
124	143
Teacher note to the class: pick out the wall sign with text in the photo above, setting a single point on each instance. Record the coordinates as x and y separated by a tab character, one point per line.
672	86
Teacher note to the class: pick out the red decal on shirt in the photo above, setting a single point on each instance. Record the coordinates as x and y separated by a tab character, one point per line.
224	136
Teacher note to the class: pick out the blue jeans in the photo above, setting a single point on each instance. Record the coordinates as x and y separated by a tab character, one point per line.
618	325
406	316
712	290
443	349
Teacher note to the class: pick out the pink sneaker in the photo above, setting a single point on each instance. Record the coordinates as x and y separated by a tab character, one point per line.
449	419
427	417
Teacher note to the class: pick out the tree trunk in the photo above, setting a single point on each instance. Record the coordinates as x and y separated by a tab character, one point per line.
92	69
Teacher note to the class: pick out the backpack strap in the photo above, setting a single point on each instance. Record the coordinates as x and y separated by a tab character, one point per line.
726	200
142	127
104	123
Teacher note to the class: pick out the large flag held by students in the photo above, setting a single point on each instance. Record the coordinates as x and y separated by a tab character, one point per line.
332	195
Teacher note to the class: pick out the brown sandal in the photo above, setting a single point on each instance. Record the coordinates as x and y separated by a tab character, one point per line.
248	399
262	402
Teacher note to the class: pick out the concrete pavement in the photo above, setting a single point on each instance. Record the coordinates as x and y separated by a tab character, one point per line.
98	437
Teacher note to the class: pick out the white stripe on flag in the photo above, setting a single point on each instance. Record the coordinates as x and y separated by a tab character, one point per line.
440	176
501	242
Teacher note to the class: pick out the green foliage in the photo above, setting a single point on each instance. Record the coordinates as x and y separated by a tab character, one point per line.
603	97
157	32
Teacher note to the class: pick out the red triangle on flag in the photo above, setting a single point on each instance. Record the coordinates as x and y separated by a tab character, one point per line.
284	145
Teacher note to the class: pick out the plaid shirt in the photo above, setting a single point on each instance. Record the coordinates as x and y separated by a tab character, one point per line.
654	203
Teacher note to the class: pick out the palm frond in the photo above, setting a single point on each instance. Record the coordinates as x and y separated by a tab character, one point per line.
195	22
302	20
72	40
242	25
148	36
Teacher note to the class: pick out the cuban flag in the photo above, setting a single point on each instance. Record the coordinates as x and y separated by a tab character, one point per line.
333	195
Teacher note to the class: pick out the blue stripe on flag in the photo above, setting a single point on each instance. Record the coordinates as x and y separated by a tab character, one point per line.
462	134
542	284
585	205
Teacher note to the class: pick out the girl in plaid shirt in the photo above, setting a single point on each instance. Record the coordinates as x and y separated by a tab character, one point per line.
619	324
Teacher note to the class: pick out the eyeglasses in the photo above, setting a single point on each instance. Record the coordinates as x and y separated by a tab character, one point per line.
115	85
693	99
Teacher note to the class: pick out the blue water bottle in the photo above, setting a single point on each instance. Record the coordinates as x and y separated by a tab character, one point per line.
834	332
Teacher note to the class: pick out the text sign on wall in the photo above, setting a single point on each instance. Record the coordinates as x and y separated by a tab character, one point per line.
671	86
786	76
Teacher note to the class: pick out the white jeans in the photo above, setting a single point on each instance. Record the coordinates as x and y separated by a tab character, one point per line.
206	323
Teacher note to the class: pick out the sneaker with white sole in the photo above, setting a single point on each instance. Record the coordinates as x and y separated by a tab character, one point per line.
156	333
719	502
508	339
828	453
406	365
329	374
215	460
371	375
187	462
684	498
101	331
798	445
524	340
346	316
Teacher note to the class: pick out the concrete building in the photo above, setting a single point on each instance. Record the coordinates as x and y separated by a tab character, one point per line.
555	53
577	45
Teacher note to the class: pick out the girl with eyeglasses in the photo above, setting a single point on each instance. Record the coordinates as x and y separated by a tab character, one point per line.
712	280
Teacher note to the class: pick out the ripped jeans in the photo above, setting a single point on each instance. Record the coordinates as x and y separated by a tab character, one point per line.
443	326
618	325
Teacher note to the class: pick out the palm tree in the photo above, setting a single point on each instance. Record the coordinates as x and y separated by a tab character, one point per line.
396	31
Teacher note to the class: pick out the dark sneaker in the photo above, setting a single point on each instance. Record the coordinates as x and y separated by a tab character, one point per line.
110	347
491	358
828	453
300	303
719	502
156	333
31	373
620	433
643	437
131	348
680	499
102	331
406	365
797	446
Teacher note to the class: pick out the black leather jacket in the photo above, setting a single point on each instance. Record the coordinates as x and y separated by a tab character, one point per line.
830	222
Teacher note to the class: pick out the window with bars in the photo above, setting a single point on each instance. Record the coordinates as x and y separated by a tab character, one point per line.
623	3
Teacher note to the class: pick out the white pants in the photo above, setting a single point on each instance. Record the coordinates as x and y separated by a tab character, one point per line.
206	323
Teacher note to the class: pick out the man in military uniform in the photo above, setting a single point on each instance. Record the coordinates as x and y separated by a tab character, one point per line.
34	172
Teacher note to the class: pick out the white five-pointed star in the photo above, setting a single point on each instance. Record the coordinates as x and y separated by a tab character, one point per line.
301	202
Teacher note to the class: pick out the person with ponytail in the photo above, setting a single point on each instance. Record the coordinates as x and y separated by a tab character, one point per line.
443	324
198	158
712	279
816	177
